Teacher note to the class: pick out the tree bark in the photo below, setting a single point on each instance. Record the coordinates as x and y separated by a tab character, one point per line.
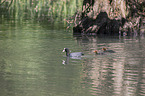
111	17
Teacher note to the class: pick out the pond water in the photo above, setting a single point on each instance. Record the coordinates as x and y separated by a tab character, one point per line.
32	63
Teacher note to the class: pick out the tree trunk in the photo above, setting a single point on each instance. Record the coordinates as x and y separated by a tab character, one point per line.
111	17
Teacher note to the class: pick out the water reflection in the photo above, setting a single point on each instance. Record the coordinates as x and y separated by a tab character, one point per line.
120	73
31	63
72	59
66	61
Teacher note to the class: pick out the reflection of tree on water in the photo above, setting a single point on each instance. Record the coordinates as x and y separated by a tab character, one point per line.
120	73
90	43
134	66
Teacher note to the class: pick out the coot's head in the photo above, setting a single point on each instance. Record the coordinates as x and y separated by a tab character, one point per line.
66	50
96	51
104	48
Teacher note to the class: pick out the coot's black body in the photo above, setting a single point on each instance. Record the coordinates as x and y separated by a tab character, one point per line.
74	54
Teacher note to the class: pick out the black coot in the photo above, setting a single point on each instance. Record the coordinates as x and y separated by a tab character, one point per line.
74	54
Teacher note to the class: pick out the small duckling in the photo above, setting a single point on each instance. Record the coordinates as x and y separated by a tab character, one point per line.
106	50
99	52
